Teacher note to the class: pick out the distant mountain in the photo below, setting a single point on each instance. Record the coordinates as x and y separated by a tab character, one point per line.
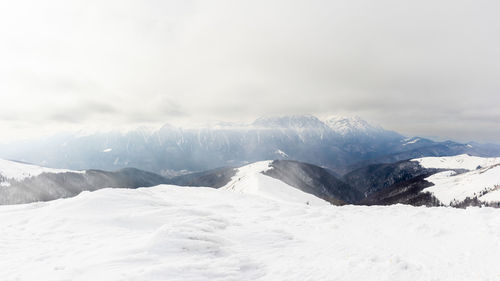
411	148
26	183
290	122
355	127
281	179
341	144
457	181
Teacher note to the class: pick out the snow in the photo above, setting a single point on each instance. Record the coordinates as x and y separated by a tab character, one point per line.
182	233
483	176
462	161
349	125
250	179
342	125
492	196
297	122
281	153
11	170
448	186
411	141
4	183
107	150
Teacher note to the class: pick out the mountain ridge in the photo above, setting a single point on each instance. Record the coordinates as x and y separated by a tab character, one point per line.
458	181
341	144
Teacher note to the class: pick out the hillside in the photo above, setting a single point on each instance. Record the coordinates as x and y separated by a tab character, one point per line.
26	183
459	181
307	178
479	184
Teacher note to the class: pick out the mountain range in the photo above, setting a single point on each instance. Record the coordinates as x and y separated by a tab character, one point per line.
340	144
26	183
458	181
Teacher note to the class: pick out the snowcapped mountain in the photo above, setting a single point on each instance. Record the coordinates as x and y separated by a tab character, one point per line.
11	171
25	183
250	179
290	122
480	182
460	181
352	126
288	181
339	126
416	147
277	179
180	233
339	143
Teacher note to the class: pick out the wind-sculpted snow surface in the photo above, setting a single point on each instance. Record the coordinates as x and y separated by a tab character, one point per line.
182	233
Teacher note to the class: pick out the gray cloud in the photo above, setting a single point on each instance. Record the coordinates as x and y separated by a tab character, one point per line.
420	67
81	111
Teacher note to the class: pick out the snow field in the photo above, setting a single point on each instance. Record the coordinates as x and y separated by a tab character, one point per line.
185	233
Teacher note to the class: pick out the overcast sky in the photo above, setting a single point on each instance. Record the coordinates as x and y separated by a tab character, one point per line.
428	68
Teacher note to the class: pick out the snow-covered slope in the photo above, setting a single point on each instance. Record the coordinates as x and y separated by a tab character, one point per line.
449	186
250	179
175	233
481	179
24	183
11	170
492	196
462	161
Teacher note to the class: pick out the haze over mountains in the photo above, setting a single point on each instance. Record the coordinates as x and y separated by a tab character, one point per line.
458	181
25	183
341	144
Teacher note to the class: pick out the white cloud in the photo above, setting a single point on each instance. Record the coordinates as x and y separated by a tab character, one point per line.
408	65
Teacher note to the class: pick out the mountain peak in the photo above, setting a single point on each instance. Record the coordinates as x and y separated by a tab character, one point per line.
350	125
250	179
291	121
